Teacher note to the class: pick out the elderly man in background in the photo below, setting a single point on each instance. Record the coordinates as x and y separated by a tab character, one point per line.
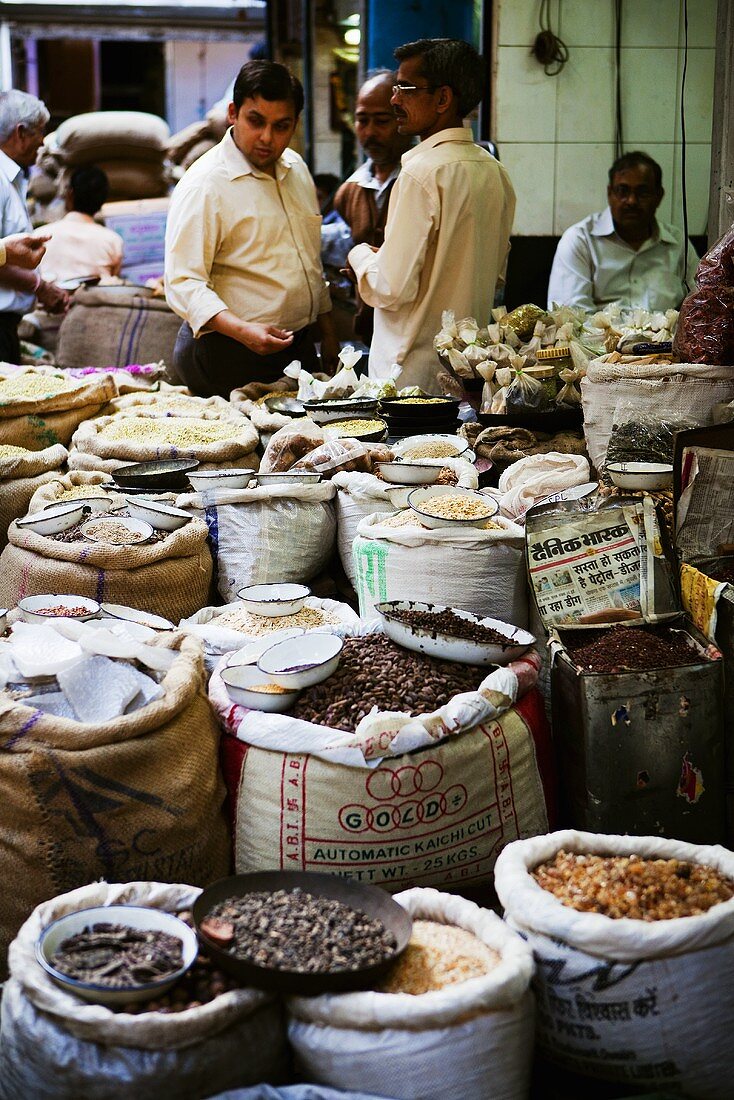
23	119
624	254
362	200
448	229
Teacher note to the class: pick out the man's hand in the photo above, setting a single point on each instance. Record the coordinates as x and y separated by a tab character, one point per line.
264	339
52	297
330	346
23	250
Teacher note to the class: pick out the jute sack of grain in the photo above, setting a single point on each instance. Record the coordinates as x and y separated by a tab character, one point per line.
266	534
644	1003
112	441
197	151
55	1047
132	798
136	179
307	797
360	495
115	330
169	578
474	1037
182	141
100	135
73	485
250	400
213	625
482	571
20	476
40	407
664	391
133	378
175	401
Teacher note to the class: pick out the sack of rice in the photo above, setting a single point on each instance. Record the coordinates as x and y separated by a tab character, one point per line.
53	1046
75	486
169	576
454	1015
175	401
224	629
101	135
183	140
136	179
116	329
126	799
133	378
633	939
398	770
22	472
112	441
478	570
40	406
266	534
251	400
361	495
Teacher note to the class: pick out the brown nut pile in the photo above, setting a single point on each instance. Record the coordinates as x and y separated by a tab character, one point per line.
630	648
374	671
629	886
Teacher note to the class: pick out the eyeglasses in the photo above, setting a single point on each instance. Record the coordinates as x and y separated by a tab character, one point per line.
622	191
408	89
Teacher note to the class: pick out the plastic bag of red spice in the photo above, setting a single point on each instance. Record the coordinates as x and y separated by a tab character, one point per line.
705	332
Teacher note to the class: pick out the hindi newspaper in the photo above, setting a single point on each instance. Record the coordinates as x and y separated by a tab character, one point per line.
705	519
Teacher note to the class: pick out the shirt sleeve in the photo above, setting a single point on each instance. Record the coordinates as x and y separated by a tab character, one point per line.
192	242
3	254
390	279
571	279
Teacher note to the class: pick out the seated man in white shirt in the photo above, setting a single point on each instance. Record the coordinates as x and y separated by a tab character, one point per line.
448	226
243	247
78	247
624	254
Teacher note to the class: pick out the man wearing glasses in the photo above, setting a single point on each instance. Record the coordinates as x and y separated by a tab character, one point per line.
624	254
448	227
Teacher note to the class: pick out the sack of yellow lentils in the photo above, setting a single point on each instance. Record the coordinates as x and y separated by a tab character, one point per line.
113	441
61	488
21	473
176	402
40	406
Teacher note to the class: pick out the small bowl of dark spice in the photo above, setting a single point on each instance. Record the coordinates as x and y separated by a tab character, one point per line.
453	634
117	954
301	932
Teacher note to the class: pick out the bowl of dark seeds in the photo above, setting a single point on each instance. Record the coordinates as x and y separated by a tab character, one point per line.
301	932
453	634
117	954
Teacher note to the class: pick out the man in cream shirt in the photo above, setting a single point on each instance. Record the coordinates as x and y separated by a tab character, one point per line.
448	229
243	243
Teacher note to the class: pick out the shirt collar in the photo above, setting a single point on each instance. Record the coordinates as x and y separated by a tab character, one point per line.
238	165
9	167
453	133
603	226
365	176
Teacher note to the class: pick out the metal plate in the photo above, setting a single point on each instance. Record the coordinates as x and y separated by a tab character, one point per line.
155	475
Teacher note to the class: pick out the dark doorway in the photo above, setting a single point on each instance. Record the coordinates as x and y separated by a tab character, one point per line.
132	77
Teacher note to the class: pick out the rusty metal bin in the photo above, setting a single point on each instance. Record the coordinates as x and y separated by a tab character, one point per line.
642	752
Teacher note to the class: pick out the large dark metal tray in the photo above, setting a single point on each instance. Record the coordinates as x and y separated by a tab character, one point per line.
557	420
433	410
155	475
371	900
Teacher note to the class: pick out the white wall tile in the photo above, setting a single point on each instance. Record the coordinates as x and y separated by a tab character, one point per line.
649	80
699	96
581	182
531	168
585	96
698	172
525	98
519	21
587	22
651	23
701	23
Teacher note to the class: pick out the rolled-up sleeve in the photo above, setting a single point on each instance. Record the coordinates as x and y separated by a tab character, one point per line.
390	279
192	242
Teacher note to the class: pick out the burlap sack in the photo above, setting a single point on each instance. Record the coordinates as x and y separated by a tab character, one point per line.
136	179
175	401
138	797
133	378
99	135
40	421
20	477
182	141
235	448
169	578
52	492
115	330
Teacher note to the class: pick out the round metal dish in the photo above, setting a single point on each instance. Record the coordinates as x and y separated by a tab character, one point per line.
428	408
285	404
367	899
448	646
134	526
409	473
324	412
162	476
419	497
641	476
369	437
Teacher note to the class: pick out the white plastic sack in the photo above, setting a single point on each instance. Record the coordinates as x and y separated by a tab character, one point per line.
679	391
643	1003
474	1039
55	1047
222	639
538	476
477	570
267	534
361	495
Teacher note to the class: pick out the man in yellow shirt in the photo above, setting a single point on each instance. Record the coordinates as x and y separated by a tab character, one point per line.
243	247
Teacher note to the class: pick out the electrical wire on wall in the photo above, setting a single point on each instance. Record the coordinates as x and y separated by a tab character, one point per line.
683	186
618	132
548	49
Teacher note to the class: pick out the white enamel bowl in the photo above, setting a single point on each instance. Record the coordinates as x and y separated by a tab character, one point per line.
647	476
302	662
241	681
220	479
31	607
274	599
134	526
54	519
447	646
162	516
419	498
408	473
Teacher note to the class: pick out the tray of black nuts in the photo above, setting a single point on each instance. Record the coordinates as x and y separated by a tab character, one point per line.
301	932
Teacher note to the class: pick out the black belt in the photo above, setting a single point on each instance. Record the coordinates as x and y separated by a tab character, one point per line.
10	320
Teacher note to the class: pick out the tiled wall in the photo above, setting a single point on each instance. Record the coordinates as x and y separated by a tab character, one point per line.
556	134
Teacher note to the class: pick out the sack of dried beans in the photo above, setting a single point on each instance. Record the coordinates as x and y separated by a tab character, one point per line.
40	407
55	1047
633	939
21	473
454	1013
